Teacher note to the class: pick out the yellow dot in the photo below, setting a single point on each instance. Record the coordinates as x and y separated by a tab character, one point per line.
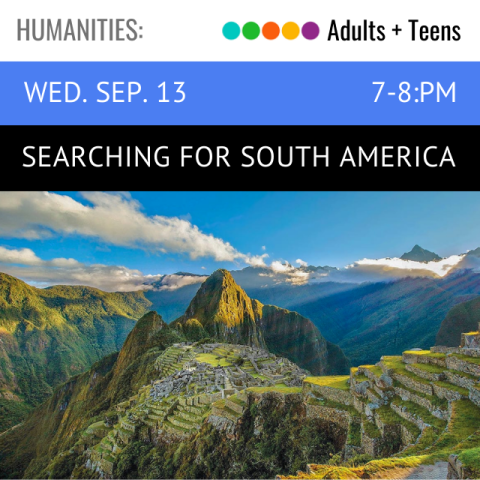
291	31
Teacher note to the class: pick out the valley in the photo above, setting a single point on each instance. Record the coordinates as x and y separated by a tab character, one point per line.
49	335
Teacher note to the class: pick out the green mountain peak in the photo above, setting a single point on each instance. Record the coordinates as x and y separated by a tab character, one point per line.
224	311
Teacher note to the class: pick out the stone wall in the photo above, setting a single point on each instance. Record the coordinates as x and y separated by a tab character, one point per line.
440	362
208	399
474	396
371	446
442	349
432	377
339	417
422	401
354	382
410	358
243	396
234	406
373	398
219	412
371	376
340	396
459	380
471	352
384	428
413	384
447	394
386	370
408	416
454	363
455	468
358	405
406	436
470	340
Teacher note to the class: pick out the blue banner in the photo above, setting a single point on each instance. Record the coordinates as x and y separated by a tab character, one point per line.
239	93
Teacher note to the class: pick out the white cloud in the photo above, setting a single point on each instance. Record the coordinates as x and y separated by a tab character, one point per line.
25	256
114	219
264	247
279	267
258	260
367	270
25	264
203	268
378	270
172	282
285	272
399	267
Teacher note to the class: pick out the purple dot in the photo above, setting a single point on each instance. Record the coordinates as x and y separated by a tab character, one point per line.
310	30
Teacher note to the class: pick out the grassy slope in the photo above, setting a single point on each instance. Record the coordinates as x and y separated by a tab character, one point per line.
340	382
48	335
460	319
85	399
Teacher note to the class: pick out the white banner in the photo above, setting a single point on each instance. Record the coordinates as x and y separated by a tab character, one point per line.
191	30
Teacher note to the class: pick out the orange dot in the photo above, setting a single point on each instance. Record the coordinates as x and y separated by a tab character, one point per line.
271	30
291	30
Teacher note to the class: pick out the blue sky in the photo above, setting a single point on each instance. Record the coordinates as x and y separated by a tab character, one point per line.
321	228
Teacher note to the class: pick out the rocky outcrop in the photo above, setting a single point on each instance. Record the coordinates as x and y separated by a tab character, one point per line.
225	311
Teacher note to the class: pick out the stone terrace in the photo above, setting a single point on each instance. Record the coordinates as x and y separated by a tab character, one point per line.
404	403
194	382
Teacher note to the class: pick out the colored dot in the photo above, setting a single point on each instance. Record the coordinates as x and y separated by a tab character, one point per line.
310	30
231	30
271	30
251	30
291	31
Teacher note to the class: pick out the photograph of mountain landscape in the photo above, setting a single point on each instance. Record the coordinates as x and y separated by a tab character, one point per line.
222	335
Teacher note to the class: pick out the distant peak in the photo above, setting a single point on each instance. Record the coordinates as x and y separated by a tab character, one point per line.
419	254
187	274
474	253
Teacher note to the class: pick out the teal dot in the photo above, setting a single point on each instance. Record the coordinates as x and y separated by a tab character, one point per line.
231	30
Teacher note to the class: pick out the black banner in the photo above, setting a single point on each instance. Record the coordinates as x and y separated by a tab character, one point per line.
240	157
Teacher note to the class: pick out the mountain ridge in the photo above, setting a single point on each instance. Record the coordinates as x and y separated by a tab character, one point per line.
223	310
48	335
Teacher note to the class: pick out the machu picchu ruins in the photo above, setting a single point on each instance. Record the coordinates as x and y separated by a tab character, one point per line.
408	409
196	382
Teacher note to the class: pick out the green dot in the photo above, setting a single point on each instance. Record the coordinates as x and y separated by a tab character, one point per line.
251	31
231	30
